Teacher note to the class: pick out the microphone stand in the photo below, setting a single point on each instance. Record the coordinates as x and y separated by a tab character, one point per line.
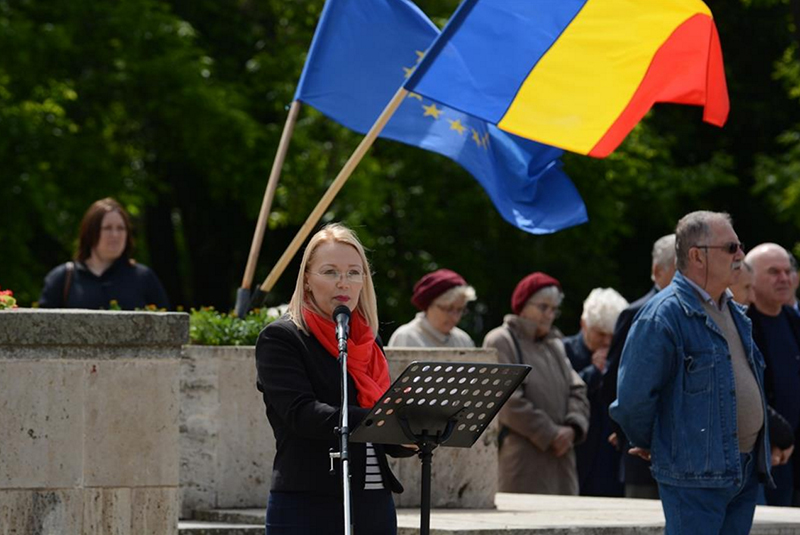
344	434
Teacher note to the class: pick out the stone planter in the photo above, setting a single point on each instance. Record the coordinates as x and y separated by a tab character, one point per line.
226	442
89	421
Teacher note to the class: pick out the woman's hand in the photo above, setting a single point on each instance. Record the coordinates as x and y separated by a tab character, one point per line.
563	441
599	358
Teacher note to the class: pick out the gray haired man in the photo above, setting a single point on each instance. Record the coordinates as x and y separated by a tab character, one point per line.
690	395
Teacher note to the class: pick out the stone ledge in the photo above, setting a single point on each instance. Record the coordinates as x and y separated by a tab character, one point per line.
191	527
84	353
28	327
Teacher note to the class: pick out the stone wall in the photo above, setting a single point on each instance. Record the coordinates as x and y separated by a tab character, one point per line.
108	426
89	406
226	442
227	445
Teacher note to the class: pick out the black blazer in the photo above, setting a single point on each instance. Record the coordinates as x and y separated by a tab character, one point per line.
300	383
759	338
769	374
636	470
621	329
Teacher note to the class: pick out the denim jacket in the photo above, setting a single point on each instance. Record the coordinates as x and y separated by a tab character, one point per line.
676	392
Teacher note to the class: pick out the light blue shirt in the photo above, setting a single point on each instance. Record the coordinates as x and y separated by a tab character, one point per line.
727	295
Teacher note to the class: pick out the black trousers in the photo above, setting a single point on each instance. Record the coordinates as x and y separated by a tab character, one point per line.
300	513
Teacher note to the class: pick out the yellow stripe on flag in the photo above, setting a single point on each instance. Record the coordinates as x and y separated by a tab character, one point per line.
585	81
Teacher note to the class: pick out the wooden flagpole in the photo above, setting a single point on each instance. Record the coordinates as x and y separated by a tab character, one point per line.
333	189
243	294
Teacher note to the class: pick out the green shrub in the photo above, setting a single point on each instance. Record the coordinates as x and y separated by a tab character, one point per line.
209	327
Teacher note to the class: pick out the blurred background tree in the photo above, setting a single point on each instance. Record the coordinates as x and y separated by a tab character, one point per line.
175	107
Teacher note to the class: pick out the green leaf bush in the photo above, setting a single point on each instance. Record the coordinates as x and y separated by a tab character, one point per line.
210	327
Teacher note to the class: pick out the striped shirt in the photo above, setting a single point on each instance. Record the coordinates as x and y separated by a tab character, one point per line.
373	479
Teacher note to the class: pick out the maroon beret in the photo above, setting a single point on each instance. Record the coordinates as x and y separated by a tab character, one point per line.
529	286
433	285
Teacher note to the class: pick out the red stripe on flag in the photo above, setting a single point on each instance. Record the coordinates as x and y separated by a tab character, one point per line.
687	69
717	103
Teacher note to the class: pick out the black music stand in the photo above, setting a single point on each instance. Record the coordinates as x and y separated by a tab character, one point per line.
436	404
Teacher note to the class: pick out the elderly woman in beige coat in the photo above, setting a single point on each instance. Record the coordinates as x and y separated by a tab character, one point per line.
549	413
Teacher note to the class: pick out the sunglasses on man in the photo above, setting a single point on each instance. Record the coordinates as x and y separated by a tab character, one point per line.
730	247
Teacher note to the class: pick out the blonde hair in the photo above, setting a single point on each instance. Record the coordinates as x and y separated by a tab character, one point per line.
367	303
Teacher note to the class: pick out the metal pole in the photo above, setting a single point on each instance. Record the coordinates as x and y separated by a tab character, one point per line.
426	454
344	449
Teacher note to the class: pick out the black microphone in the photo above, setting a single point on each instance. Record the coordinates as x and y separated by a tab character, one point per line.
341	317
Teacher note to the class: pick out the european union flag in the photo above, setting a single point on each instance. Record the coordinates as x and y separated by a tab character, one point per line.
364	50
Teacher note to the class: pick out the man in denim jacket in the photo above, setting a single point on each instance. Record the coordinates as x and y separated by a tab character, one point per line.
690	389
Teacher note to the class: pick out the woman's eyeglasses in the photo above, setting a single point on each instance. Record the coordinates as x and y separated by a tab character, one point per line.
334	275
451	310
730	247
544	308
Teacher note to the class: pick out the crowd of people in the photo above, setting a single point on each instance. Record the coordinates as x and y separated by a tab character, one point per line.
687	395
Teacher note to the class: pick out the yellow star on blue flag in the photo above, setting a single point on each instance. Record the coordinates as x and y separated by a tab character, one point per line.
457	126
432	111
352	72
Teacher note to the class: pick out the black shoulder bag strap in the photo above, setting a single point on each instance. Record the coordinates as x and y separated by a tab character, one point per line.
67	283
516	346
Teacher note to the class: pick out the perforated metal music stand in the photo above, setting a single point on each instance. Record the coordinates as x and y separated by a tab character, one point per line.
436	404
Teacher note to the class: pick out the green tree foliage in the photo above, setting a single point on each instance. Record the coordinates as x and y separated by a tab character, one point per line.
176	108
778	173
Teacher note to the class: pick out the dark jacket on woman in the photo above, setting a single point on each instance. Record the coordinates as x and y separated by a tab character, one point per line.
130	284
598	462
301	386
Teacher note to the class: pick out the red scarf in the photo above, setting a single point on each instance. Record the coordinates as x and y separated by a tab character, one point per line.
365	361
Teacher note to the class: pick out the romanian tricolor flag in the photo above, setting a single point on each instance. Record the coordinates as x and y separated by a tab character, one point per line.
575	74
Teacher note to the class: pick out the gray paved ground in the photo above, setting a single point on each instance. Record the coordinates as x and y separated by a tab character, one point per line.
528	514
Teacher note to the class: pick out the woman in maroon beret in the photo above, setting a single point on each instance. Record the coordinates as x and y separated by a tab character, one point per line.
549	413
441	297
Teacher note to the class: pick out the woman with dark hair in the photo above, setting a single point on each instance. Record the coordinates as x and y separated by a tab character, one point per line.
103	270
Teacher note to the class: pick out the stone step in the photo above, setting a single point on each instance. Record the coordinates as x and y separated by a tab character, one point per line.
232	516
530	514
196	527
